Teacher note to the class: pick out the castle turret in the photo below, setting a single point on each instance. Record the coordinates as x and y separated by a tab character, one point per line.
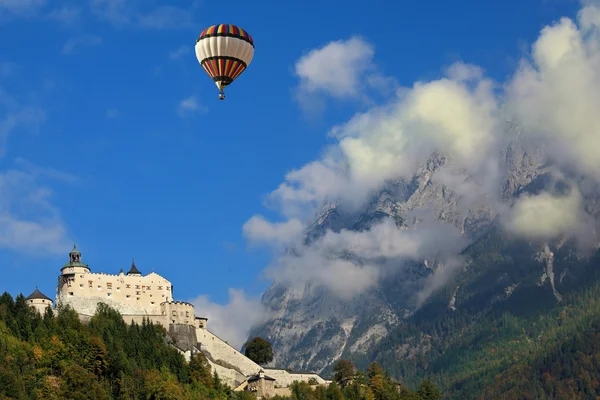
75	266
39	301
69	270
133	270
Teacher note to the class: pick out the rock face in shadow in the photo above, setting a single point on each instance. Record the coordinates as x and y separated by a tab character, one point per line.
184	336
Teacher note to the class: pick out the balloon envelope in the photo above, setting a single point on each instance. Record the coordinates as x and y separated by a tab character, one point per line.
224	51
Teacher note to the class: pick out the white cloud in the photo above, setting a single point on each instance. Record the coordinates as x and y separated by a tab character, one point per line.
81	41
121	13
166	17
180	52
66	14
232	321
52	173
336	68
348	263
21	6
342	69
545	216
29	222
455	115
554	96
189	105
257	229
112	113
13	116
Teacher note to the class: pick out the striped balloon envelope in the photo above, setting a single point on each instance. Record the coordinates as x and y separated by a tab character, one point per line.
224	51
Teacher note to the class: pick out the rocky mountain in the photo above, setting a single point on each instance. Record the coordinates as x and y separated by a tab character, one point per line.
312	329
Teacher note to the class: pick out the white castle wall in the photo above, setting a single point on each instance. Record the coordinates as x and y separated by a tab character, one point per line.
129	294
228	376
284	378
220	350
178	312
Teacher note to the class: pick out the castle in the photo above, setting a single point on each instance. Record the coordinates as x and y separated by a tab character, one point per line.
137	297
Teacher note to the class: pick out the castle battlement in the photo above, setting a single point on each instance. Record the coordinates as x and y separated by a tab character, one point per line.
177	302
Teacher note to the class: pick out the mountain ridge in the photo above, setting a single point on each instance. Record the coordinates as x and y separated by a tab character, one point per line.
315	333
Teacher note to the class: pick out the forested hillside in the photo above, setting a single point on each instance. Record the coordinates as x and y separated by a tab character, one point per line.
58	357
521	344
61	358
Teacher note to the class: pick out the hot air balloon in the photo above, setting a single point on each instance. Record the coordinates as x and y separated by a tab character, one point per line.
224	51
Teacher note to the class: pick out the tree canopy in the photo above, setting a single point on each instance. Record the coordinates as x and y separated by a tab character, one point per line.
259	350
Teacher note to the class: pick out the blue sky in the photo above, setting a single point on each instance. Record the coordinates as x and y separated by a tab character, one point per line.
113	135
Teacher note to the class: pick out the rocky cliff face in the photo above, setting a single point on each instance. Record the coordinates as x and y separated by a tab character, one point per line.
311	329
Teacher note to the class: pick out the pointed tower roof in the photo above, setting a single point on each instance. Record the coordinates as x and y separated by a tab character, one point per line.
133	269
75	251
75	259
37	295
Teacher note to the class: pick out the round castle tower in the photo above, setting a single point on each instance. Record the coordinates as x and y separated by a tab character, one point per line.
70	269
39	301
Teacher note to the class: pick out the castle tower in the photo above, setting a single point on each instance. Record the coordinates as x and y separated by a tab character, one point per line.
133	271
70	269
39	301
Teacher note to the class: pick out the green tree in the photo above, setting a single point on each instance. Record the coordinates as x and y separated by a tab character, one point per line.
428	391
343	372
259	350
199	370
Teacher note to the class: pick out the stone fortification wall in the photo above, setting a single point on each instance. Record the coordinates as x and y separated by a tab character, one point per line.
228	376
284	378
218	349
184	336
178	312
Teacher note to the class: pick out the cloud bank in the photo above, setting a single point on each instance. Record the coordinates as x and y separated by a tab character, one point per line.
233	320
554	94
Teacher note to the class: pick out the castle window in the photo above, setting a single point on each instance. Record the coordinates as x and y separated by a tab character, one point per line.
81	285
137	293
127	286
187	314
137	298
70	293
137	286
174	313
168	287
147	287
160	288
128	296
151	302
109	285
108	294
90	283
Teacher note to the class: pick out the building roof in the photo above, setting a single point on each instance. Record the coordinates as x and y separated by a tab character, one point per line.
37	295
257	377
133	269
75	251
